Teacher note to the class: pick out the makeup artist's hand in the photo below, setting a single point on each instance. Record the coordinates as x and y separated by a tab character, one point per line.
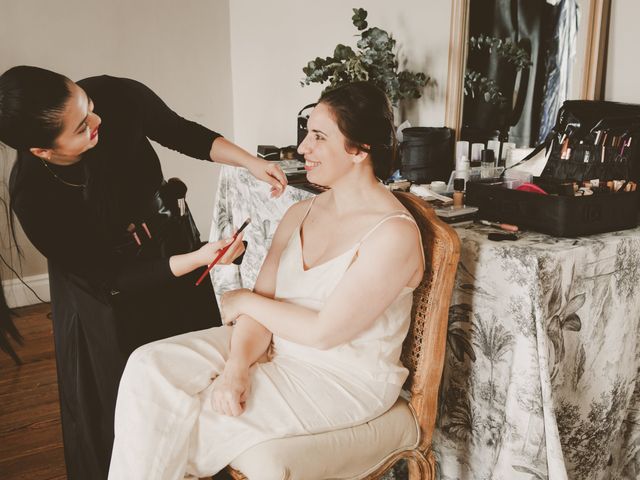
231	389
188	262
271	173
209	251
231	304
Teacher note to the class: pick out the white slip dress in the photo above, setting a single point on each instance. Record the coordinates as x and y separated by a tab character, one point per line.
165	425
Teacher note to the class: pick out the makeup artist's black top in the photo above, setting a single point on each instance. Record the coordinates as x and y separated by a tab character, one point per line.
76	228
124	173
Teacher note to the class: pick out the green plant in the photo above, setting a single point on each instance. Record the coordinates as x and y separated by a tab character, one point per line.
374	61
478	85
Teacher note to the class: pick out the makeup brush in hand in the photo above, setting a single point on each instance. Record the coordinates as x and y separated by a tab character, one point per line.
223	251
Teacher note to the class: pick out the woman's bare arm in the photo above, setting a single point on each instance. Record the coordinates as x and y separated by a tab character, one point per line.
385	264
253	338
250	339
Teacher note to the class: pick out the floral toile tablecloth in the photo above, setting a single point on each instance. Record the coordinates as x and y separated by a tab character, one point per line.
542	359
543	349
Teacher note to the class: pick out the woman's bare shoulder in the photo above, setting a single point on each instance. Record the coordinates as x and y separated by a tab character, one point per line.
391	203
295	213
397	230
299	208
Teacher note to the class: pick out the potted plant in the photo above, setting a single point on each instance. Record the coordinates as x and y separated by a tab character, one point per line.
373	60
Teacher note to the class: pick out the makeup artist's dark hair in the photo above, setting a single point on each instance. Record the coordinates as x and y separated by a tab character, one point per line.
32	100
364	116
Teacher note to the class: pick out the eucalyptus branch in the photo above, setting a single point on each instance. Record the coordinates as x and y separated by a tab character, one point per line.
506	49
477	84
373	60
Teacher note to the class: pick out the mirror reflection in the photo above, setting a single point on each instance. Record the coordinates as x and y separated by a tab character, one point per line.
520	62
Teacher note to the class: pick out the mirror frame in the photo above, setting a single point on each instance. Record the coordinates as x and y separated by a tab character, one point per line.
594	61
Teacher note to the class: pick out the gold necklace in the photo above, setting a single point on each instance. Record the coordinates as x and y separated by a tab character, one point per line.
78	185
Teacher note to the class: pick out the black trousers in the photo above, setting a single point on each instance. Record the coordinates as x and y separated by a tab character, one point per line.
93	339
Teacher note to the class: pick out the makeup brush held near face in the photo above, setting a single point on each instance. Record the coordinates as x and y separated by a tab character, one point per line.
223	251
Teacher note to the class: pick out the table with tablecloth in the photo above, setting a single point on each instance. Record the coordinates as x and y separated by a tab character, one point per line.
543	348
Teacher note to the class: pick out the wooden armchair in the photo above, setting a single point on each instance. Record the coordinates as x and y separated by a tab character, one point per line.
405	431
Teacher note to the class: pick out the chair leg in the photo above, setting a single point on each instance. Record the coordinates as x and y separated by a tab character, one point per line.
421	467
415	472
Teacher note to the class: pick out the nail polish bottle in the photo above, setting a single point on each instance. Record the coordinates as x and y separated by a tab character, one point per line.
458	192
487	163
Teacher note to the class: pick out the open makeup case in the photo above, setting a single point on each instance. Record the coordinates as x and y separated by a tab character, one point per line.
589	181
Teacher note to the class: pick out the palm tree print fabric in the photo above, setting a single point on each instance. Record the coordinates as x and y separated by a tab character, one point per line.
241	196
543	353
543	348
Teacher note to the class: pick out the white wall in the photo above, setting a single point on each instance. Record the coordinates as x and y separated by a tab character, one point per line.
623	69
192	52
272	41
179	49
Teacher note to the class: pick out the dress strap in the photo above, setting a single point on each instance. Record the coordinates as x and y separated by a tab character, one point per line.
397	214
313	199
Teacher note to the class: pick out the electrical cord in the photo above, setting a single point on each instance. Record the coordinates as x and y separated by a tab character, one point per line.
21	280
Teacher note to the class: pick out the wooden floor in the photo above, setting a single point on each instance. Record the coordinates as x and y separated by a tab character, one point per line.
30	434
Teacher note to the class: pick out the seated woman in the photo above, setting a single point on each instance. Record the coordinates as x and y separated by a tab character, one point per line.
333	299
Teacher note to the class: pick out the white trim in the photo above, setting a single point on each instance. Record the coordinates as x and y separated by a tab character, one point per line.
18	295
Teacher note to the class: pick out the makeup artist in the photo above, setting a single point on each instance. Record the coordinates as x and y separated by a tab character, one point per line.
85	189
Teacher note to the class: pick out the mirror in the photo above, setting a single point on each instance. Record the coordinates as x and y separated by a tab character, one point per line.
512	63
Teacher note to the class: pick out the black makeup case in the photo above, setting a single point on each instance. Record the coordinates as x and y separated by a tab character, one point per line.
590	140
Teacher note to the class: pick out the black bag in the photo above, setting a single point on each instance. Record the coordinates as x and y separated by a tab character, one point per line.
426	153
591	140
163	228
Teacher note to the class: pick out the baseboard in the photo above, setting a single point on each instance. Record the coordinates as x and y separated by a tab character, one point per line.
18	295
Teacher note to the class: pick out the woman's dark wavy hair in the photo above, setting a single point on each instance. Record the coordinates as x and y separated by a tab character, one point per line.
364	116
32	100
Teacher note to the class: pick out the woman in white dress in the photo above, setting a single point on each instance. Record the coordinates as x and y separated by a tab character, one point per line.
332	300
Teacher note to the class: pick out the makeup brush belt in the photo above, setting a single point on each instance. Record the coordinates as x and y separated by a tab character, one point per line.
160	229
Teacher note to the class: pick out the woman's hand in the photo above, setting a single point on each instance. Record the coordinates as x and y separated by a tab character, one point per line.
231	304
224	151
209	251
269	172
231	389
188	262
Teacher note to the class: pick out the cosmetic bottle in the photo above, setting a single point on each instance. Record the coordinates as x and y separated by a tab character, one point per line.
487	163
505	156
476	151
462	148
458	192
494	145
463	164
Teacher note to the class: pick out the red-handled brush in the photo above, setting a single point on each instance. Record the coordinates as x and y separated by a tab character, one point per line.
222	251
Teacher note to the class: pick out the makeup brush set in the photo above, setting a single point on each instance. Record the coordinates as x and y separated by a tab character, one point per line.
589	182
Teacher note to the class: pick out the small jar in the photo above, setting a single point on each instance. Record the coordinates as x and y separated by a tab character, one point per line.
438	186
458	192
